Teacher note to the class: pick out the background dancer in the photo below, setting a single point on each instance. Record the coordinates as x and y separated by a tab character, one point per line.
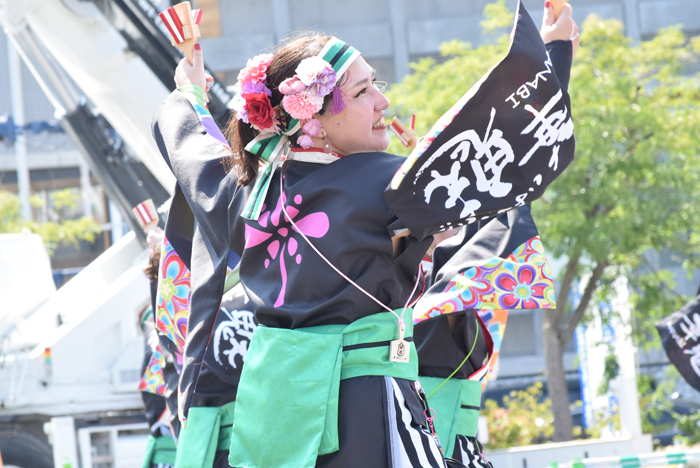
204	442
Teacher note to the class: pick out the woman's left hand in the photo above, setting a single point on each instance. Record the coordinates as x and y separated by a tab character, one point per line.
193	74
563	29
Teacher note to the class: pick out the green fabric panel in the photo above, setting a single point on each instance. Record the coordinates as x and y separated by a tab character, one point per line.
471	393
289	388
469	418
287	380
375	361
445	404
165	451
468	422
225	426
199	438
150	449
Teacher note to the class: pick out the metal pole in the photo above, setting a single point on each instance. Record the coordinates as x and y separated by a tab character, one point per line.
85	188
17	94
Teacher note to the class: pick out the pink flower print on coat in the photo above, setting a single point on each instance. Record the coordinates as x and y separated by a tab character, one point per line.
279	234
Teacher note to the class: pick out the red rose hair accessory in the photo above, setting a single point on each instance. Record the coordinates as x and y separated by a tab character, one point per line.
253	105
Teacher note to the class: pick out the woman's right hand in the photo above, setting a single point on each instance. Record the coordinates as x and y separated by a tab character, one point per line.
563	29
193	74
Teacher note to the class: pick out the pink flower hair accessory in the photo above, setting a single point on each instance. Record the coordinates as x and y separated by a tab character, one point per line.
304	92
302	105
305	141
312	127
309	129
255	70
292	86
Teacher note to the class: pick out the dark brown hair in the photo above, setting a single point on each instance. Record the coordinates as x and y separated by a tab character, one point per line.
151	269
286	58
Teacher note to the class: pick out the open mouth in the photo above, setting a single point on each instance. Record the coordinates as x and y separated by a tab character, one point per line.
379	125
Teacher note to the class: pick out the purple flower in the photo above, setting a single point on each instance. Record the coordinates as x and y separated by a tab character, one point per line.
255	88
324	83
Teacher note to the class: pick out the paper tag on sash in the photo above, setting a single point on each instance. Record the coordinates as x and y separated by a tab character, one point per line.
399	351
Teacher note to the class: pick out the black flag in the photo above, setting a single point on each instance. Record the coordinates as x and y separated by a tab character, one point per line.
680	335
499	146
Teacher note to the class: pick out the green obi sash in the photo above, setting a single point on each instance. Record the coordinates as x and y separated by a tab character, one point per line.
288	393
456	405
208	430
160	450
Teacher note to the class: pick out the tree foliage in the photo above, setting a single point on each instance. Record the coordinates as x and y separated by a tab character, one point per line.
524	419
65	231
634	186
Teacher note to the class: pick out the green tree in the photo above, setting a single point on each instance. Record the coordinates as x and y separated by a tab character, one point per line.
524	419
633	187
65	231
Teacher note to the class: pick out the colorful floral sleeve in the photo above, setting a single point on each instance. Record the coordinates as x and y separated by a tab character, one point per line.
501	267
195	94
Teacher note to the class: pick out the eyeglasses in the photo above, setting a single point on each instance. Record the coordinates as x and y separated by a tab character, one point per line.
380	85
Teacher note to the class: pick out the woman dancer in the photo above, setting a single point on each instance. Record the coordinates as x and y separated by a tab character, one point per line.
328	260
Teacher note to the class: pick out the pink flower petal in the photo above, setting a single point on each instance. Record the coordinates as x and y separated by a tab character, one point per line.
292	246
273	249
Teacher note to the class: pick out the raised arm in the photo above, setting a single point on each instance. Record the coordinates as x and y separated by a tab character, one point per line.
195	150
561	37
499	147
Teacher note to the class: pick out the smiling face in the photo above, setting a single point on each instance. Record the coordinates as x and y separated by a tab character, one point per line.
360	127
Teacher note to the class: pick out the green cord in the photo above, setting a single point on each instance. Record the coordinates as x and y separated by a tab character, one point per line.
460	366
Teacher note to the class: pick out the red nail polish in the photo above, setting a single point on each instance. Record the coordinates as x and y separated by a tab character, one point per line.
547	4
198	46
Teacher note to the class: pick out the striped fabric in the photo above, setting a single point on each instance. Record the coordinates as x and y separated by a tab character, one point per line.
172	22
196	16
339	55
411	445
468	452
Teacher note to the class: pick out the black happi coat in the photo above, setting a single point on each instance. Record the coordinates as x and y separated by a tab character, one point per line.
344	207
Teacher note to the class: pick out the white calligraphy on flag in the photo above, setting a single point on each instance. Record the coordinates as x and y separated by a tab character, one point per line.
491	156
554	127
240	324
